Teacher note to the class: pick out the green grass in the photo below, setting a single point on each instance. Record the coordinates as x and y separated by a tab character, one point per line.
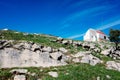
42	39
69	72
84	72
4	74
102	57
45	40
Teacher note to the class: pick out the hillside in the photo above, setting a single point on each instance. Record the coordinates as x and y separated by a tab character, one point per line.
25	56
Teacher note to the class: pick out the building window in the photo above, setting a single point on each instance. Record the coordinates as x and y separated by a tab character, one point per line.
104	37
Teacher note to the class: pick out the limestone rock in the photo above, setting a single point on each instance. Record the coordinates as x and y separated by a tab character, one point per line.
65	42
11	57
35	47
19	77
53	74
56	55
105	52
59	38
82	53
98	78
113	65
19	71
63	50
47	49
76	60
92	60
108	77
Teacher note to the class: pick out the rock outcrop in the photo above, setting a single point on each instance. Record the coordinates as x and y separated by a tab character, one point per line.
53	74
113	65
112	52
86	57
29	54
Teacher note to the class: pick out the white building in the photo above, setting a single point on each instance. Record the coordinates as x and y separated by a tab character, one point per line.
95	35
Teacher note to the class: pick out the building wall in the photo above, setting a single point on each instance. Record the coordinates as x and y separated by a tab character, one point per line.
92	35
89	36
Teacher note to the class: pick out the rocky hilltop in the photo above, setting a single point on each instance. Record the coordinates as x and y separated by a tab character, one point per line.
23	50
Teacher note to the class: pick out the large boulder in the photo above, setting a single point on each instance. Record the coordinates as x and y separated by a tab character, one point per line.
65	42
112	52
56	55
53	74
86	57
63	50
113	65
19	77
35	47
28	54
90	59
23	71
47	49
86	45
81	54
106	52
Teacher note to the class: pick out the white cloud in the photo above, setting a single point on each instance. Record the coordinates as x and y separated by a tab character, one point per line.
64	26
85	12
76	36
111	24
103	27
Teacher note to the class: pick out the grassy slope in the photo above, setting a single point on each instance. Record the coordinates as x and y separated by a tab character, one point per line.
69	72
75	71
45	40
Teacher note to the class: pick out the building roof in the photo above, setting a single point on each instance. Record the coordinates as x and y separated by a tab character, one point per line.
100	32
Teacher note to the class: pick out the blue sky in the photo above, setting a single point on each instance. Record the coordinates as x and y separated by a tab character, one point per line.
64	18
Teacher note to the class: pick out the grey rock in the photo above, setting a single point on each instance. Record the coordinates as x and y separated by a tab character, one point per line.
105	52
19	71
19	77
63	50
11	57
97	50
98	78
82	53
70	41
56	55
53	74
92	60
35	47
33	74
47	49
76	60
108	77
113	65
65	42
86	45
59	39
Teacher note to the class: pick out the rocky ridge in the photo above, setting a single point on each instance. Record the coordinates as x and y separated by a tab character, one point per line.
28	53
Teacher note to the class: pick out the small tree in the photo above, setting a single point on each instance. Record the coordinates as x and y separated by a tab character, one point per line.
114	36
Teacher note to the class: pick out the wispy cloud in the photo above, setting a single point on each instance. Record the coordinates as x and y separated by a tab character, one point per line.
85	12
81	14
77	4
102	27
64	26
76	36
111	24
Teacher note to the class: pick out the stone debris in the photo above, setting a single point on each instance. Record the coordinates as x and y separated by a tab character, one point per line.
29	54
19	77
113	65
86	57
53	74
24	71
